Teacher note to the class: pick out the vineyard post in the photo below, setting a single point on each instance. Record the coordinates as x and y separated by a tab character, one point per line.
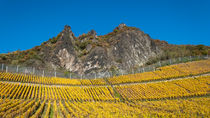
55	72
159	63
17	68
6	69
143	69
170	61
2	67
25	71
105	74
70	73
190	58
33	70
95	75
43	73
179	59
121	72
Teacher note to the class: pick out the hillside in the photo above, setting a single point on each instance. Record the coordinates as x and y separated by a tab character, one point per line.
180	90
123	49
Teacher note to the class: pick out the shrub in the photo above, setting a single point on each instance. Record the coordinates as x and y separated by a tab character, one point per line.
84	52
4	57
82	45
14	62
53	40
119	61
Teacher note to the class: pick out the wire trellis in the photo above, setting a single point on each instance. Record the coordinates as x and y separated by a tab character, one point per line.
94	75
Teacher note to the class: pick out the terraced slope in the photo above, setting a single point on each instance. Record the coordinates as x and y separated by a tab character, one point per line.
23	96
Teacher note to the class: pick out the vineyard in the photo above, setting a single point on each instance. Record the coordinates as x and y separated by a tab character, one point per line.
167	72
180	90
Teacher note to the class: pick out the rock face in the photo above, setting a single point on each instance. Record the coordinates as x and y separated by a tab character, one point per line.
123	49
127	49
63	53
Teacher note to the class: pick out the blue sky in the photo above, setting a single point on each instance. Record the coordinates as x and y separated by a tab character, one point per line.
27	23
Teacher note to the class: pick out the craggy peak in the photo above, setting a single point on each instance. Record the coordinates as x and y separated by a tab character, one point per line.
67	28
124	49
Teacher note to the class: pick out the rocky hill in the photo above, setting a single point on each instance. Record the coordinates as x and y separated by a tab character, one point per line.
123	49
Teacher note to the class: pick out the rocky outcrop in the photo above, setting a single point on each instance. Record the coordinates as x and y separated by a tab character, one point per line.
128	48
62	54
123	49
